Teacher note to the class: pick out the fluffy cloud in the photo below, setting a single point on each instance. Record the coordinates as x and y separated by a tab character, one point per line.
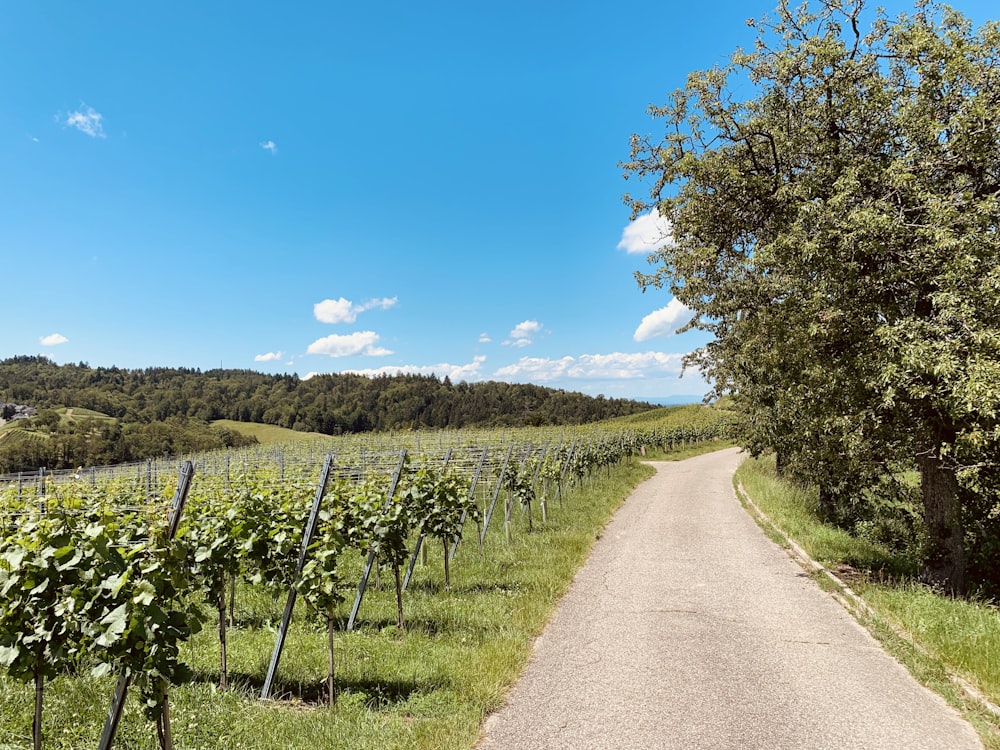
484	338
269	357
663	322
53	339
269	146
647	234
469	372
615	366
86	120
344	311
360	342
523	333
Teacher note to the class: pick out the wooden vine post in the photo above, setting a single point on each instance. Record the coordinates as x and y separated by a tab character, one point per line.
363	583
465	513
496	494
286	618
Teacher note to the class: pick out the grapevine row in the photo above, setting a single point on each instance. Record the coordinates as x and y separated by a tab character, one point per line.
91	578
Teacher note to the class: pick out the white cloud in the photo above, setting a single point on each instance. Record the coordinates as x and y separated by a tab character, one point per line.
484	338
269	357
523	333
378	304
456	373
360	342
663	322
53	339
334	311
86	120
615	366
269	146
344	311
647	234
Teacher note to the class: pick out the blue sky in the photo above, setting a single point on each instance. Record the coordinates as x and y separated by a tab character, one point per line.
322	187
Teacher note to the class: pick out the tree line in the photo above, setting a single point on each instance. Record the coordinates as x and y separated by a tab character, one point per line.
168	410
834	200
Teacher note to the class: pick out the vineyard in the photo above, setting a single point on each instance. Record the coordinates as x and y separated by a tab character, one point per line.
220	575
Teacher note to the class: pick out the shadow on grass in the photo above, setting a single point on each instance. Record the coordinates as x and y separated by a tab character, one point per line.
378	696
425	625
425	586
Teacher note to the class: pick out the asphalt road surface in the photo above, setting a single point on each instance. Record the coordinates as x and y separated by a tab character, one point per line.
688	628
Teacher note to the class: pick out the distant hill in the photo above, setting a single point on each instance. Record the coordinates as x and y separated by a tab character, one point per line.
674	400
110	414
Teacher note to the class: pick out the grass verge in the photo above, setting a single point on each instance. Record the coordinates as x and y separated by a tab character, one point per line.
943	641
429	687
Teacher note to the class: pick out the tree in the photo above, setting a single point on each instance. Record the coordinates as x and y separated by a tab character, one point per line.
837	232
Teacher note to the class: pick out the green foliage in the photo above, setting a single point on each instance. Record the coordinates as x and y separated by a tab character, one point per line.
319	581
79	588
438	500
167	411
516	479
66	438
268	524
143	634
837	233
45	579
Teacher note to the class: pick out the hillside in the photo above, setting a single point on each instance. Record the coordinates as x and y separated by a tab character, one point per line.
265	433
106	415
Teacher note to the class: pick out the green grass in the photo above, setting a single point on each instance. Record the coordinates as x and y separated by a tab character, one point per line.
76	414
933	635
962	634
430	687
690	415
267	434
794	511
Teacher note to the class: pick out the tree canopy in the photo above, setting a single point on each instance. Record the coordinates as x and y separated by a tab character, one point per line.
836	230
158	411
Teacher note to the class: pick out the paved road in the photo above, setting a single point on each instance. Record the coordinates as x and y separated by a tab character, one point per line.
687	628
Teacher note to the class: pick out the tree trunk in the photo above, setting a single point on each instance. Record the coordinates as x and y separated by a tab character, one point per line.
163	733
399	598
36	725
447	572
944	565
223	658
827	505
331	684
779	462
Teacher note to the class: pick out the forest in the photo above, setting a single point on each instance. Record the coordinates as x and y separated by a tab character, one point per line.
158	411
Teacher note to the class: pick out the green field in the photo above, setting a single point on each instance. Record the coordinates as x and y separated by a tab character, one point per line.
267	433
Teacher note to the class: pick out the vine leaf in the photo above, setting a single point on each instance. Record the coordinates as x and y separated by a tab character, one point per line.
8	654
116	620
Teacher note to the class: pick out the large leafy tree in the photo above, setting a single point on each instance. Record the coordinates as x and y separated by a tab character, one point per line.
836	230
